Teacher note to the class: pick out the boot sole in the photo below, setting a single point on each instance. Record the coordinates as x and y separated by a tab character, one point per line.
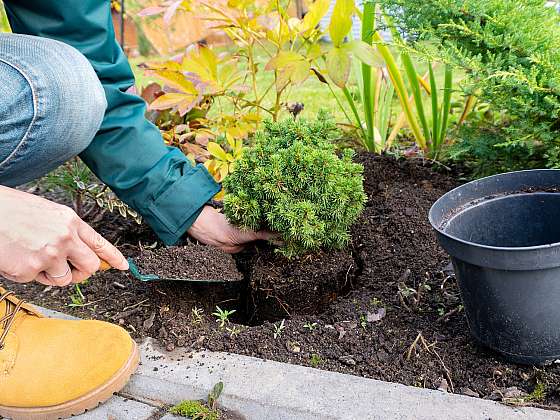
79	405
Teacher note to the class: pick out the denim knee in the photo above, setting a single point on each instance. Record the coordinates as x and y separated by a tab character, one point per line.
58	106
82	102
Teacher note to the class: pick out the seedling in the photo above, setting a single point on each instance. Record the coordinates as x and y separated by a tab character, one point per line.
77	297
197	410
315	360
363	321
233	331
223	316
196	315
409	297
376	302
310	326
278	329
538	394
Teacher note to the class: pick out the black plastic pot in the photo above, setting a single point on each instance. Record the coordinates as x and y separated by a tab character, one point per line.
503	236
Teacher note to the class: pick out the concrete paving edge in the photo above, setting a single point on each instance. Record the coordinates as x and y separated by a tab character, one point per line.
259	389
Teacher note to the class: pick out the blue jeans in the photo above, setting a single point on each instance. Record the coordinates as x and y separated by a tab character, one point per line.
51	106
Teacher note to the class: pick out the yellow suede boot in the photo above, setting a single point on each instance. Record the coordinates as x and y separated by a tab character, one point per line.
52	368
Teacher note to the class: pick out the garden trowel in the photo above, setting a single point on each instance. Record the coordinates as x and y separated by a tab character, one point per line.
147	277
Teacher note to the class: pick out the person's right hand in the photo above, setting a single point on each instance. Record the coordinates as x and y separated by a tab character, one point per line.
48	242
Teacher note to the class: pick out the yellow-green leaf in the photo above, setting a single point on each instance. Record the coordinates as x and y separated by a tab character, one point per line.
338	66
170	100
364	52
280	34
202	62
283	59
224	170
299	72
175	80
314	52
341	21
316	12
216	150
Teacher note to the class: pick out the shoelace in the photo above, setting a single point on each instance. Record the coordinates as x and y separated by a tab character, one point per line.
10	316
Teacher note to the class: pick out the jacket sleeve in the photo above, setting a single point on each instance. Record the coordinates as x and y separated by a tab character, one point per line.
128	153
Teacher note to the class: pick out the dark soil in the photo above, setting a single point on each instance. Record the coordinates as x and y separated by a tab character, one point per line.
389	308
193	261
281	287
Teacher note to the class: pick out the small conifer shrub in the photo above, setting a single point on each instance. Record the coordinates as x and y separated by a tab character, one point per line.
292	182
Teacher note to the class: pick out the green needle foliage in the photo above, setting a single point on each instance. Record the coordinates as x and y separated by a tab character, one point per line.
510	50
292	182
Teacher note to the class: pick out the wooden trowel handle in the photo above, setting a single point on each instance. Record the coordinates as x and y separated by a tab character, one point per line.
104	266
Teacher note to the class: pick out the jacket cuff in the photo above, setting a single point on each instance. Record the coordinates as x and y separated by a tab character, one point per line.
173	212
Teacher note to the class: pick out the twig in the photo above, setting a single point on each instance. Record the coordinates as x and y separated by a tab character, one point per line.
413	346
135	305
430	348
452	312
347	273
403	303
93	301
446	371
126	314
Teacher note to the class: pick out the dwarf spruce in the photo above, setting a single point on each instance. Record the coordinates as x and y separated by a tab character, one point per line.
292	182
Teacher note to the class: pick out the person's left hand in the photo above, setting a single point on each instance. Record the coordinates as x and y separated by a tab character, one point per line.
212	228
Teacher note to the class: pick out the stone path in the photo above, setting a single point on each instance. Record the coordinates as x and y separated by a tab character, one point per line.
259	389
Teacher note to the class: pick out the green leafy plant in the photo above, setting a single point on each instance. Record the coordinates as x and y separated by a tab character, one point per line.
193	82
196	315
315	360
89	196
510	51
198	410
77	297
233	331
292	182
363	321
375	90
310	325
222	316
430	138
436	134
278	329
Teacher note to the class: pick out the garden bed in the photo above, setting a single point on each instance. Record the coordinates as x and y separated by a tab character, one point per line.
388	308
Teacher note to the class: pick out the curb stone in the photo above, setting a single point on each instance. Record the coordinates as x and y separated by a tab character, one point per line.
260	389
119	408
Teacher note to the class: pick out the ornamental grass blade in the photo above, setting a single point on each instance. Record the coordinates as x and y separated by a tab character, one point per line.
417	94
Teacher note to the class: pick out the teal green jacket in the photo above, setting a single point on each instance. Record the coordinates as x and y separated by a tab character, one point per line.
128	153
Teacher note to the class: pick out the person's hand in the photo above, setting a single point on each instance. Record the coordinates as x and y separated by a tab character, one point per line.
47	242
212	228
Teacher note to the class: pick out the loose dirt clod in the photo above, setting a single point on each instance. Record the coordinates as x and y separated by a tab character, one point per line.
197	262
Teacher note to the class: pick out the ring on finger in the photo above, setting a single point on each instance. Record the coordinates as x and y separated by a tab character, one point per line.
60	276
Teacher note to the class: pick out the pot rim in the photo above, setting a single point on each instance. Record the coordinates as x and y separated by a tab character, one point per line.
438	228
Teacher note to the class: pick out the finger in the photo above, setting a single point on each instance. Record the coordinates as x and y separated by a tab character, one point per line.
84	261
232	249
80	276
102	247
266	235
41	278
58	273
